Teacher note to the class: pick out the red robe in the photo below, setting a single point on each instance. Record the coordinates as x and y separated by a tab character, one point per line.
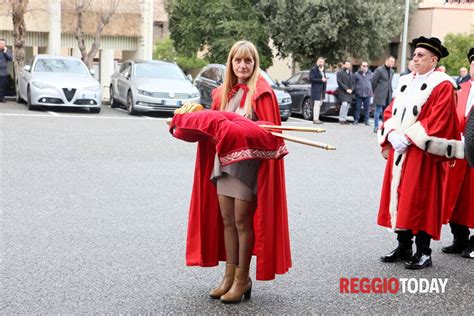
205	240
459	180
412	186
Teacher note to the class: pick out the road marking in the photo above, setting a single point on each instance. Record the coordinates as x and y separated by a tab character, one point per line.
82	116
53	113
299	119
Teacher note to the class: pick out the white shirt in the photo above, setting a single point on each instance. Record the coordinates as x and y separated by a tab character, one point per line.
418	80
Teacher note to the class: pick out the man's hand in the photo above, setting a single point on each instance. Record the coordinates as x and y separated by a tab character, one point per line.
399	143
349	91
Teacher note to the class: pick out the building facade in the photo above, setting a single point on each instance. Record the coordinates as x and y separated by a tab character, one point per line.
134	28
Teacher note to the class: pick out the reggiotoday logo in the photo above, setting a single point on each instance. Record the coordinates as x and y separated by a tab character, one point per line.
392	285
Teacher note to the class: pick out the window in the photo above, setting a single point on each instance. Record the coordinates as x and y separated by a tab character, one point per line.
158	70
213	73
294	79
304	78
125	70
60	65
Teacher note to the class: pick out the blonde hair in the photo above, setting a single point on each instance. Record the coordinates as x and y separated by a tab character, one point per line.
241	49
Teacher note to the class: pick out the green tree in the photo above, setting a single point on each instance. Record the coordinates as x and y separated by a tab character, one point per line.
164	50
458	46
213	26
334	29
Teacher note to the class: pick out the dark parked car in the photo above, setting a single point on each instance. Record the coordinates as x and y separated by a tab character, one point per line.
299	87
212	76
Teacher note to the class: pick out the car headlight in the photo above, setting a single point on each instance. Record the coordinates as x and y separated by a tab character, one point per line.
144	92
41	85
286	100
93	88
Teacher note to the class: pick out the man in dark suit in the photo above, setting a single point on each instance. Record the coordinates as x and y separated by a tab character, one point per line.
317	76
463	76
345	83
5	57
382	87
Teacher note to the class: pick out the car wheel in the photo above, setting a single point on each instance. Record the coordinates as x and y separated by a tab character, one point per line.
94	110
130	107
307	109
30	106
113	102
18	97
285	118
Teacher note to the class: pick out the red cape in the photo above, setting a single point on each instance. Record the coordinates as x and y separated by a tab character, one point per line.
459	180
205	240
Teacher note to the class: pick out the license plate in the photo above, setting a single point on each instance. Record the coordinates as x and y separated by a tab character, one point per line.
89	95
172	102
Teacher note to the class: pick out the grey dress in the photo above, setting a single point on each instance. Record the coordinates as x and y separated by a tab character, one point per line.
237	180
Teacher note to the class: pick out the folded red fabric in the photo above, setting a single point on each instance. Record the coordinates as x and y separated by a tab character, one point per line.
236	137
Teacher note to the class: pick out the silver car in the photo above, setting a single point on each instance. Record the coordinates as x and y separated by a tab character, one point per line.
60	82
144	86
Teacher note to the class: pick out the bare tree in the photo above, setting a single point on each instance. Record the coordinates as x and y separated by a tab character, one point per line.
106	11
18	10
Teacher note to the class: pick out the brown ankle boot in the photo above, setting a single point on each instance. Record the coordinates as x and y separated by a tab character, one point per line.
226	283
242	286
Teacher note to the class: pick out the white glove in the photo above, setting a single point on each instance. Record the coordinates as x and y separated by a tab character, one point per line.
399	143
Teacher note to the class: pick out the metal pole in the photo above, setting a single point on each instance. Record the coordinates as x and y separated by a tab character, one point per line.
404	37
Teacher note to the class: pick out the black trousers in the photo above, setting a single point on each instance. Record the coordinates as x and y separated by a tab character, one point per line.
422	241
460	232
3	86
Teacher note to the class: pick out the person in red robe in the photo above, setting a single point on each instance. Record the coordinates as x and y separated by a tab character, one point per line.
419	133
459	181
223	227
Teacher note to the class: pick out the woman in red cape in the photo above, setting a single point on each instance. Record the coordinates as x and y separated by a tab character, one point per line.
223	228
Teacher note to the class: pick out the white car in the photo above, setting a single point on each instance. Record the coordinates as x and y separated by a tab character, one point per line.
60	82
143	86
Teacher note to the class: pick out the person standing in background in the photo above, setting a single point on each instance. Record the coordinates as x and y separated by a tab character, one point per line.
5	57
345	83
363	92
382	87
410	68
317	76
463	76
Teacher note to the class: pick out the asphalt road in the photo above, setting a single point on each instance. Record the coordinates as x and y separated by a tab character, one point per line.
94	213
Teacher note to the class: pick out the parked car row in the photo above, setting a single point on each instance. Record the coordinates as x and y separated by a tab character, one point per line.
143	86
299	87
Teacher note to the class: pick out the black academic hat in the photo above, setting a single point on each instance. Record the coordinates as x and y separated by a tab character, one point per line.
470	55
432	44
